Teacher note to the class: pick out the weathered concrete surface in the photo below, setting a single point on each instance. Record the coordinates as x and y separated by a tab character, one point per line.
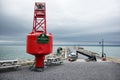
115	60
68	71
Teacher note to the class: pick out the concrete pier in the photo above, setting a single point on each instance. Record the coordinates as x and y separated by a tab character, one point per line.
68	71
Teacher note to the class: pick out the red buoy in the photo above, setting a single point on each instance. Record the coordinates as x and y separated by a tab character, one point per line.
39	42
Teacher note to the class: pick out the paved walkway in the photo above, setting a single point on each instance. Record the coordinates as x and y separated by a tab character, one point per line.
68	71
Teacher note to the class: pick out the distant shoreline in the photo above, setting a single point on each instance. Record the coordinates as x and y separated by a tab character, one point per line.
60	45
84	45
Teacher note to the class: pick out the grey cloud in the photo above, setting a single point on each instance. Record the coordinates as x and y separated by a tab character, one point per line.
12	28
80	22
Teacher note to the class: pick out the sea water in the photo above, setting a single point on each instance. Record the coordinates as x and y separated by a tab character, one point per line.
19	52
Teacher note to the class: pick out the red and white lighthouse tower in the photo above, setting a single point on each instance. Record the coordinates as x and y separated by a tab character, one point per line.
39	42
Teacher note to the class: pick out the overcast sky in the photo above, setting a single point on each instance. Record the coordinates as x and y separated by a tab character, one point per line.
70	21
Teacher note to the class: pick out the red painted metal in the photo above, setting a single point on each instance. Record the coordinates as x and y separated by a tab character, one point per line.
39	22
39	27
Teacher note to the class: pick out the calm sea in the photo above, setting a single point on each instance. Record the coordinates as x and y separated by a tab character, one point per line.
19	52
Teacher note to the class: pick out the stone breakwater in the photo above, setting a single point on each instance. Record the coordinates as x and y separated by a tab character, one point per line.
64	54
115	60
25	62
